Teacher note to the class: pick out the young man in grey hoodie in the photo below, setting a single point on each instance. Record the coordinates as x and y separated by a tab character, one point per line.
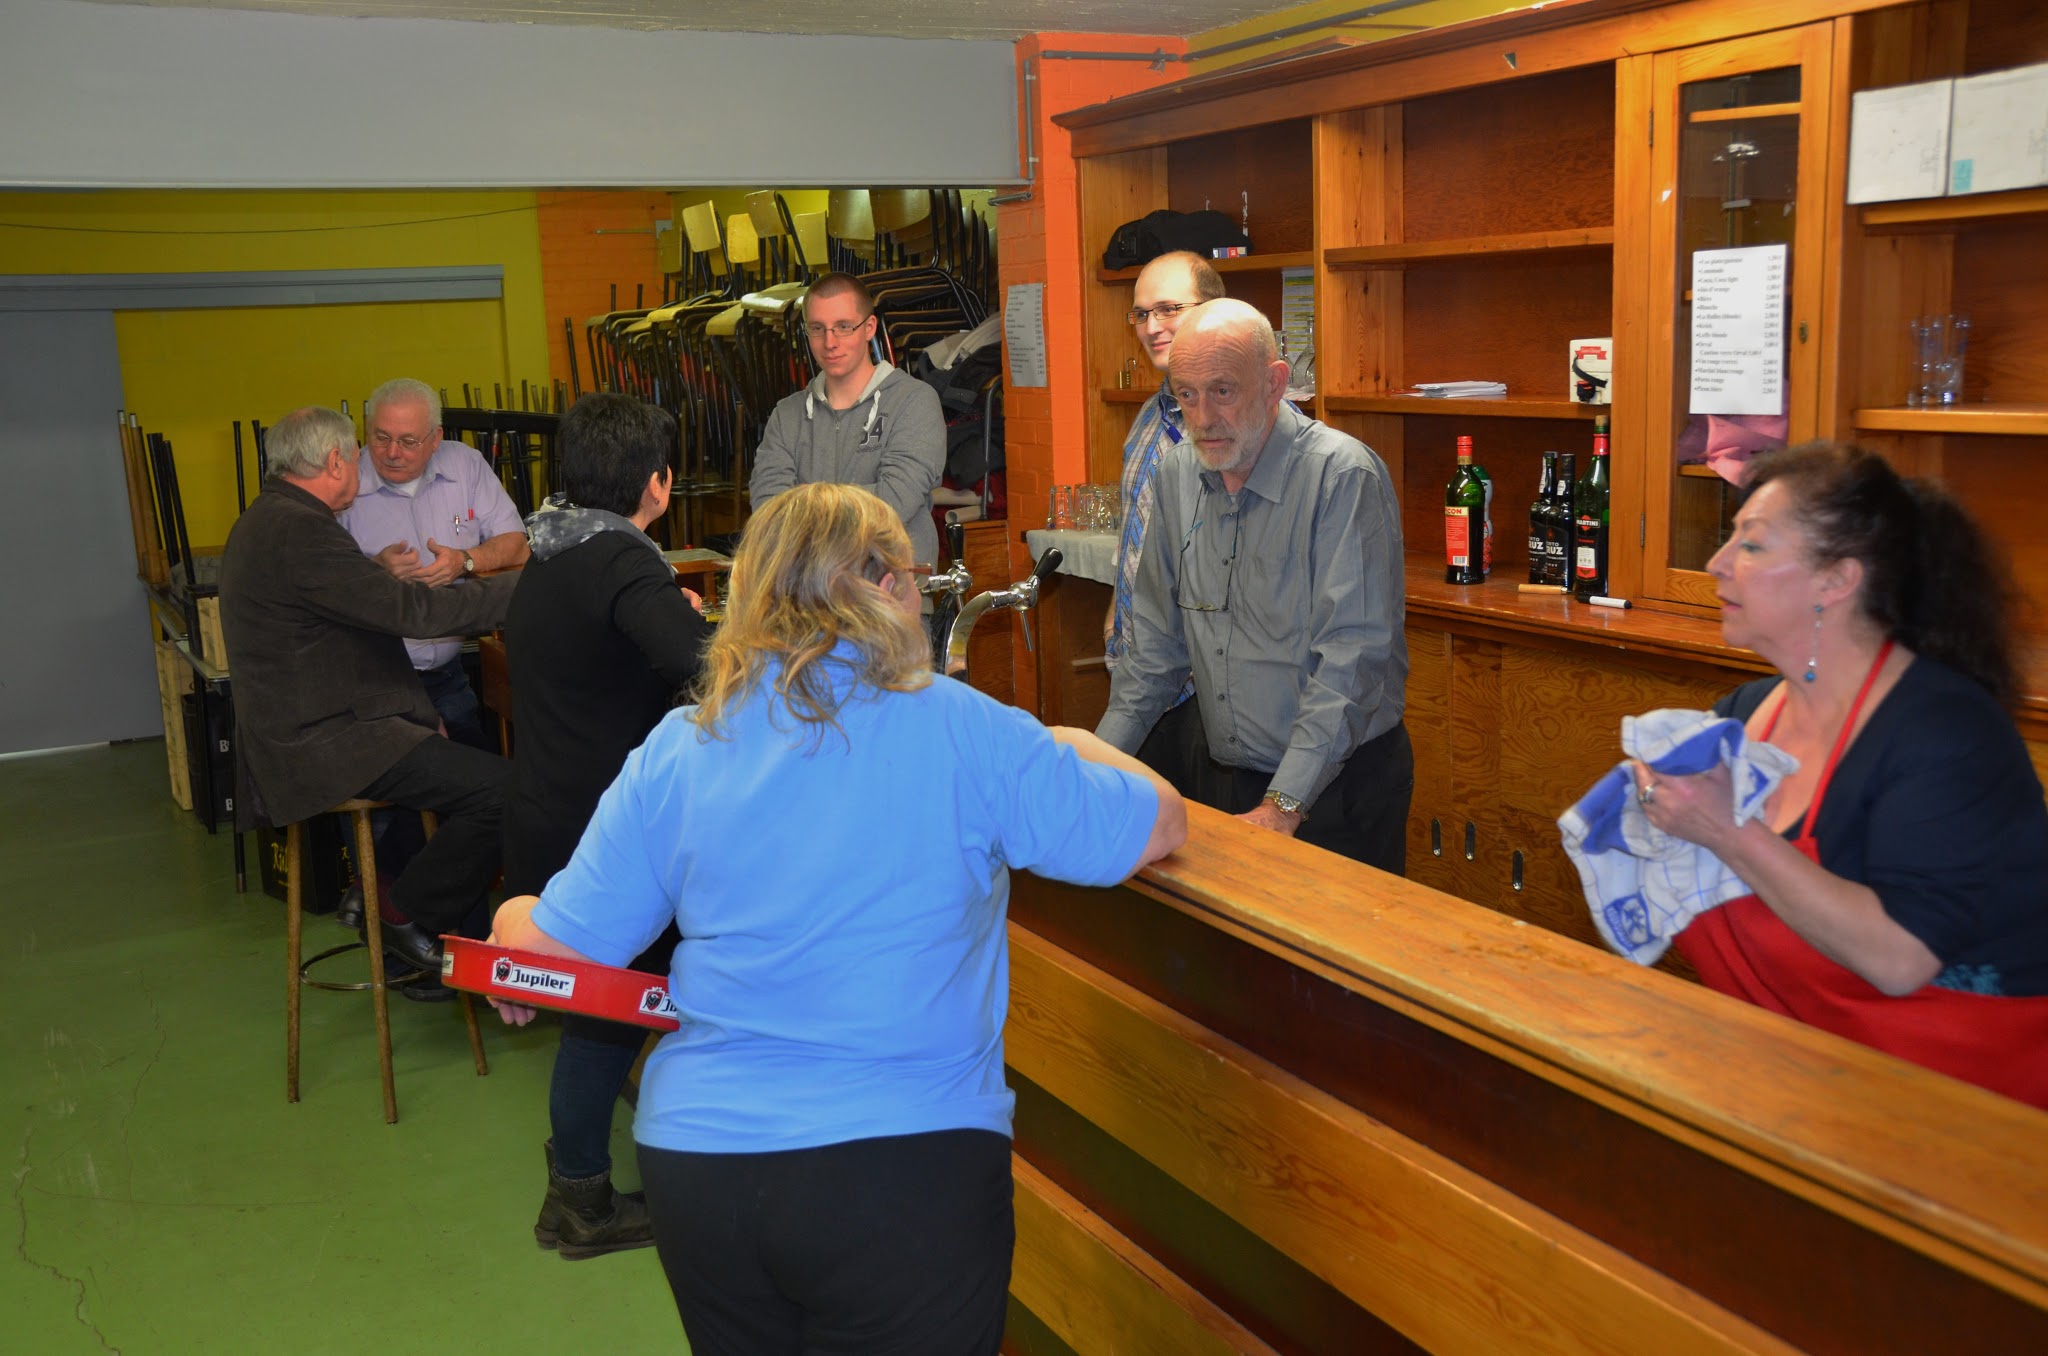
859	422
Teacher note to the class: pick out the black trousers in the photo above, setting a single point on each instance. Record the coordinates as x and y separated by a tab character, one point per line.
443	887
1177	746
1363	814
877	1247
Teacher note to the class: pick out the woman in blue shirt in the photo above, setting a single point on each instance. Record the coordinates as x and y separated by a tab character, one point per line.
825	1142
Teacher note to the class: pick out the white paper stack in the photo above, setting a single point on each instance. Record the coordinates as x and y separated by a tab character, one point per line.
1898	142
1462	390
1998	138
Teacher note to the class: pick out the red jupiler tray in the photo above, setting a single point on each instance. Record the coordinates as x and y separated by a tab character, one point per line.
557	982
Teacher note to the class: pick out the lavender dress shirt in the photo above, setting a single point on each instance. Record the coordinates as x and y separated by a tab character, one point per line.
460	504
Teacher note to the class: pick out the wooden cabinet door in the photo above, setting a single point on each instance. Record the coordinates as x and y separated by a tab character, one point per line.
1737	160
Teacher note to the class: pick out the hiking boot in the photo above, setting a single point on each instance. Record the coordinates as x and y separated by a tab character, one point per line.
583	1217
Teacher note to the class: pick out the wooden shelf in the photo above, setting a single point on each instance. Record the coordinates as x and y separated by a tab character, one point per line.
1505	407
1698	471
1244	263
1791	110
1470	247
1940	214
2027	419
1128	395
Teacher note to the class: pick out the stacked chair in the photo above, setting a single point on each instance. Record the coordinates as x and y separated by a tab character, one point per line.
731	344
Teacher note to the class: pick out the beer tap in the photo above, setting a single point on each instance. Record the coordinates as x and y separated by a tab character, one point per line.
1021	597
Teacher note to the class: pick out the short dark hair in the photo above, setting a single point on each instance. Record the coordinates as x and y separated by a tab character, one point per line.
832	284
611	445
1932	580
1202	274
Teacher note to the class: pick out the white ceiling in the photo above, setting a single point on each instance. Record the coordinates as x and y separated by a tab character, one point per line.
881	18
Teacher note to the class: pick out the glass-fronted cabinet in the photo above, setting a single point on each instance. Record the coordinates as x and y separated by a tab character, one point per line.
1738	160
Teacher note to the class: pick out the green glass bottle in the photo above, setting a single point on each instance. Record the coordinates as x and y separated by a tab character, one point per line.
1465	521
1589	532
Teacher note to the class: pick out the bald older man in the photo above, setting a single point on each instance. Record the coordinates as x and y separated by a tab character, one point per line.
1274	579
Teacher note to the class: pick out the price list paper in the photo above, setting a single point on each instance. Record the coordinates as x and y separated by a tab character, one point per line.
1738	330
1024	333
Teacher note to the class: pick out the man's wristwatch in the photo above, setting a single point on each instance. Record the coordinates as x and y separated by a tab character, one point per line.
1287	804
468	563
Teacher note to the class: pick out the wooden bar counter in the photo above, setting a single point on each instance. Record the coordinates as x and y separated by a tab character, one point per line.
1272	1100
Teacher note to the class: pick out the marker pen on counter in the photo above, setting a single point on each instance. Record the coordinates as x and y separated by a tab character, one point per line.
1598	600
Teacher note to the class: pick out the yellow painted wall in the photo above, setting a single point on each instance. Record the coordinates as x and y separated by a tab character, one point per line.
188	374
1390	25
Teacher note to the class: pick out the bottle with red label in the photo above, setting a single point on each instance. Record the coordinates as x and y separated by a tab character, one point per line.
1589	531
1465	521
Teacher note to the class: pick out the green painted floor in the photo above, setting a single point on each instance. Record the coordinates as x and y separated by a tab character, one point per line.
162	1194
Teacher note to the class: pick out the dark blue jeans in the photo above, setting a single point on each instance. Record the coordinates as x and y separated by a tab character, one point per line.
449	690
591	1065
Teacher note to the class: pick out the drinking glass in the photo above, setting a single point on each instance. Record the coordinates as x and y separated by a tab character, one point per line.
1940	345
1064	505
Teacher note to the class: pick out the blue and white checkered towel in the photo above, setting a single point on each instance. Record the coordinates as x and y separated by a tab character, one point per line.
1643	885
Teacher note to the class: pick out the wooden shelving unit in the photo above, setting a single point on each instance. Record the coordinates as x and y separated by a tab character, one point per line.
1945	214
1505	407
1744	113
1243	263
2020	418
1468	249
1468	217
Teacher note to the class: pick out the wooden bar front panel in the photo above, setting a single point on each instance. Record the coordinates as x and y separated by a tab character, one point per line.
1345	1153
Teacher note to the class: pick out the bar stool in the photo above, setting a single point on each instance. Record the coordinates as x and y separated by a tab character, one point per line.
298	976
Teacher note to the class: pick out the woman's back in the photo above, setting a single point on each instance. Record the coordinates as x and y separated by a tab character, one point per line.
841	899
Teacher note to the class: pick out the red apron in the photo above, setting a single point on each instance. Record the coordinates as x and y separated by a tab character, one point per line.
1745	949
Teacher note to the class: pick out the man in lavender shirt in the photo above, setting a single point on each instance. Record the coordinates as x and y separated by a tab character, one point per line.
433	511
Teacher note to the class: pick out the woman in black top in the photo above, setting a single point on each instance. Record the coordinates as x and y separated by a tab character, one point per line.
600	640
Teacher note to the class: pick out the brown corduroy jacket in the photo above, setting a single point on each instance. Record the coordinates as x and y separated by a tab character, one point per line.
326	700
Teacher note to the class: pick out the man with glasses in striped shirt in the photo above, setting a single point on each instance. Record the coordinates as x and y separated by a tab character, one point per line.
1166	288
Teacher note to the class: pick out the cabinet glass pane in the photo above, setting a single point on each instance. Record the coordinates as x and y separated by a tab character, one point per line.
1738	179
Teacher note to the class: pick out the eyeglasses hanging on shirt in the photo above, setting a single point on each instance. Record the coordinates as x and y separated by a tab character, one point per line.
1181	591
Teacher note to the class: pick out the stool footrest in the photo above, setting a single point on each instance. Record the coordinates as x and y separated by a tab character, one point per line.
340	986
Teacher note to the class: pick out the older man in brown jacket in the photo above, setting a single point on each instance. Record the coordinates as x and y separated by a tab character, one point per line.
327	703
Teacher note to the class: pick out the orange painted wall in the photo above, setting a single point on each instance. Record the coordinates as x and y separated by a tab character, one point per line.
579	266
1040	241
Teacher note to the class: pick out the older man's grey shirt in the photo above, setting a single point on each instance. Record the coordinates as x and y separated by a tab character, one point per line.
1285	600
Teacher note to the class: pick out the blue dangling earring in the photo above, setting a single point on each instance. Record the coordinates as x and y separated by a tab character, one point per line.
1813	659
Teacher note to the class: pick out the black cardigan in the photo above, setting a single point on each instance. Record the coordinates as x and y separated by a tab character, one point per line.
600	641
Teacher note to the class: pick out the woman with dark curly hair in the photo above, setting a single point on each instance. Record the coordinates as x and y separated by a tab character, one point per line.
825	1142
1901	874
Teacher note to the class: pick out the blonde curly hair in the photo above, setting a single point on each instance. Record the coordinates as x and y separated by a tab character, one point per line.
807	578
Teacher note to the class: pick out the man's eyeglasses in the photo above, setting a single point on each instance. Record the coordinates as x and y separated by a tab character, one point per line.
410	442
838	329
1165	310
